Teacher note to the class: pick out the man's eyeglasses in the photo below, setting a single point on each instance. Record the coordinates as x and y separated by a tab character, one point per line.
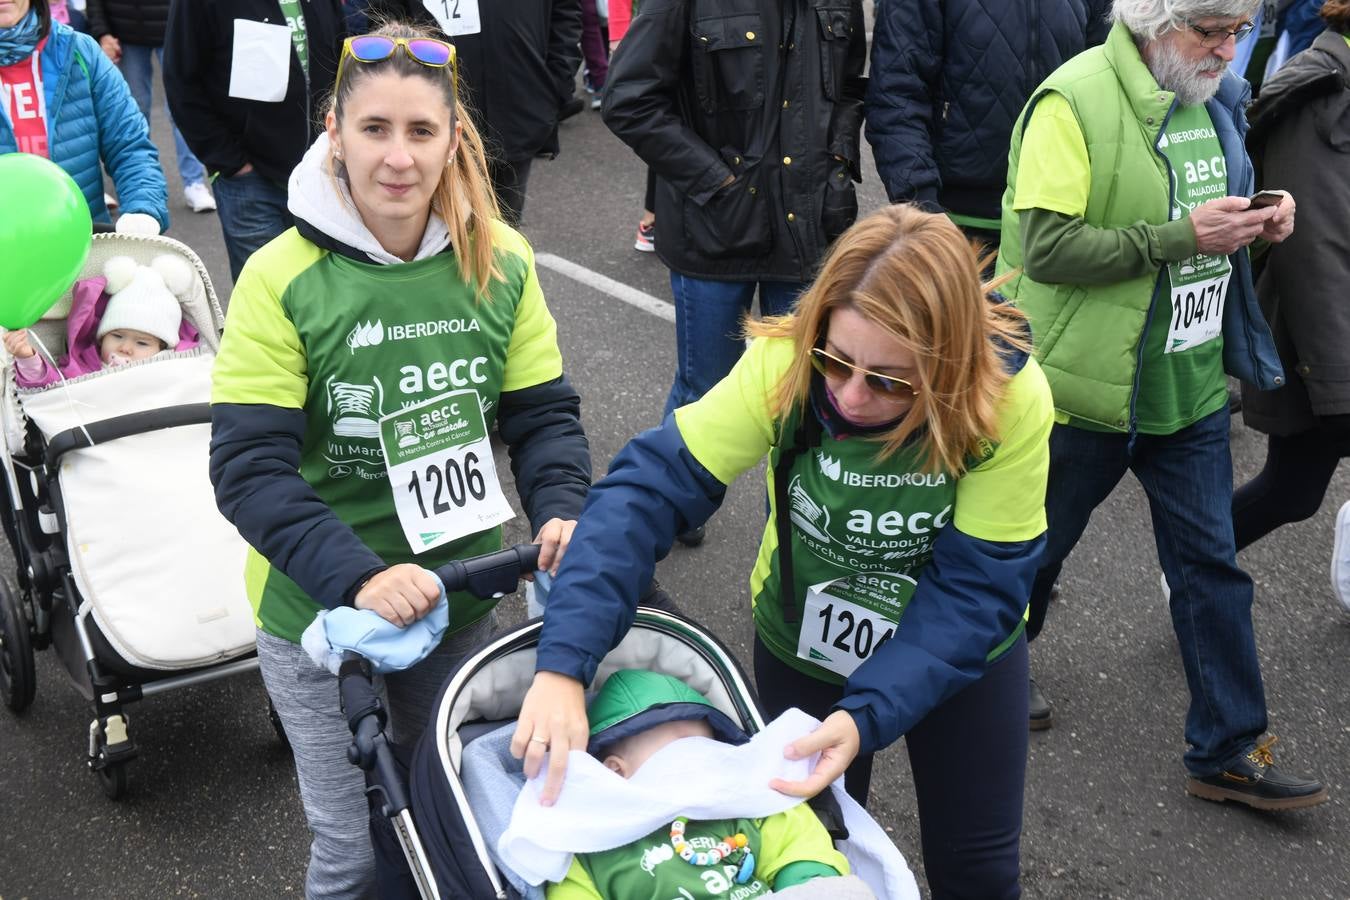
1215	37
372	48
897	390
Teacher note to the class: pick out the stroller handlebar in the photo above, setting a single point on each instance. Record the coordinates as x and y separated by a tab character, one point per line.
492	574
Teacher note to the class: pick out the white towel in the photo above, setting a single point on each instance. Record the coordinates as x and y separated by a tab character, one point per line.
695	777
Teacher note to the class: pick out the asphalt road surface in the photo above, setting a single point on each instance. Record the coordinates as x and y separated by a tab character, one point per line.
213	810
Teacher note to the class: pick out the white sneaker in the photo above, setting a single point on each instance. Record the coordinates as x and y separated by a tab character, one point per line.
198	196
1340	558
1167	591
110	201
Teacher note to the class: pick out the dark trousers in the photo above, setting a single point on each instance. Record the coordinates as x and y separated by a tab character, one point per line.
1294	480
969	759
509	178
1188	478
594	46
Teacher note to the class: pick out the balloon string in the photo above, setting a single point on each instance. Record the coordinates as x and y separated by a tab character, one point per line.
65	385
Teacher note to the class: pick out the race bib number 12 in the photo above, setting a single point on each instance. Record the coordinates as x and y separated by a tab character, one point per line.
441	470
456	17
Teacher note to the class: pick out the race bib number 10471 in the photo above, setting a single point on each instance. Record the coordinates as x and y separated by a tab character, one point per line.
441	470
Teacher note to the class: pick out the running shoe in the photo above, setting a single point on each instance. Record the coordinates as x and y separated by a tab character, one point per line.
198	197
1340	558
646	237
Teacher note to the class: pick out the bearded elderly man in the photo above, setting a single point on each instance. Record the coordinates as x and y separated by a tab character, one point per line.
1127	222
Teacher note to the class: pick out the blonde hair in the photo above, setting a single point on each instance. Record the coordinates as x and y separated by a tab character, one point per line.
916	277
463	197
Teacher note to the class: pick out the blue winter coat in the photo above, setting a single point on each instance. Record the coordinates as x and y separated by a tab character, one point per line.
92	118
947	82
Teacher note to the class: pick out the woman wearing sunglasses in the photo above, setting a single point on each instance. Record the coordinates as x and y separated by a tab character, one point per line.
905	429
369	352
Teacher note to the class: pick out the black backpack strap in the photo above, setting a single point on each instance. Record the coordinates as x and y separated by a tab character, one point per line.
804	435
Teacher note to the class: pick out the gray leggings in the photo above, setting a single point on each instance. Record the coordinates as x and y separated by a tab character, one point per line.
341	862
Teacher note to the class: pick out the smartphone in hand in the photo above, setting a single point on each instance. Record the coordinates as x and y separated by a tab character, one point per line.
1262	199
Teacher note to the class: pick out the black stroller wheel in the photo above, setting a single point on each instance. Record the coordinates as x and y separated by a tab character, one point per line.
277	725
18	680
113	779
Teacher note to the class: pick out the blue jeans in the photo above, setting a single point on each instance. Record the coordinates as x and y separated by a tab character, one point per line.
708	328
1188	478
252	211
136	69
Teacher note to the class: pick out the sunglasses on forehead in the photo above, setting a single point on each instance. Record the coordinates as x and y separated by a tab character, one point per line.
373	48
885	386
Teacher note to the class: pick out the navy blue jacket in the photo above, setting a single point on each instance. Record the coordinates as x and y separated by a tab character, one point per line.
948	80
971	596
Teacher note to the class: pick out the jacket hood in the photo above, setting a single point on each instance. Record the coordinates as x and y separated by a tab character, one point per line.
1321	69
326	215
633	700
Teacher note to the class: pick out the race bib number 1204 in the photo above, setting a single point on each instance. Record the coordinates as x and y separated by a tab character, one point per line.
441	470
840	634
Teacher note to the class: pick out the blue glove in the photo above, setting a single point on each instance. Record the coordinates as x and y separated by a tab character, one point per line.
389	647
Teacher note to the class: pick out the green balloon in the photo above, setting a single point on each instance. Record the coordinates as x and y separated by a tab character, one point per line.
45	232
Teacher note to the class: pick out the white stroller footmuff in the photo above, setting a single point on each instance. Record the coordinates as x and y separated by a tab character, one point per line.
160	568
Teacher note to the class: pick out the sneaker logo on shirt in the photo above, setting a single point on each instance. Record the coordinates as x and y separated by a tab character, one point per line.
808	515
356	408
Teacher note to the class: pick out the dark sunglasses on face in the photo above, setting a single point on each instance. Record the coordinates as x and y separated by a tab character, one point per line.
887	387
1214	37
372	48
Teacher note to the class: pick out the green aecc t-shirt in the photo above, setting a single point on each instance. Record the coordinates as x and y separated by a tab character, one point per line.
351	342
862	528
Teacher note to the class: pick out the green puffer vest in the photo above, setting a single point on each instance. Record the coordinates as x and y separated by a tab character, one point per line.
1089	338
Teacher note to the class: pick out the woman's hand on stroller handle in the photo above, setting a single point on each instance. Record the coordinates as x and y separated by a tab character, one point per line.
552	720
400	594
553	538
836	740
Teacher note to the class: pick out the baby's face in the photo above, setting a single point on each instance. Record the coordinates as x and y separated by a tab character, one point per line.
630	754
124	345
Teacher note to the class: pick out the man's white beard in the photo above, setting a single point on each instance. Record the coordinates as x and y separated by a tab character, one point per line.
1186	79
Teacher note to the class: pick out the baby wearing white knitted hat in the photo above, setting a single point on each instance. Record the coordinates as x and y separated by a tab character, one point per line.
143	315
142	318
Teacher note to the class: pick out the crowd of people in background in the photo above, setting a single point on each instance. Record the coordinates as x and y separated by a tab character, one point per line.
1092	229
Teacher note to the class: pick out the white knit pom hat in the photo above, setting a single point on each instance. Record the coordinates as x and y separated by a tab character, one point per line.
141	299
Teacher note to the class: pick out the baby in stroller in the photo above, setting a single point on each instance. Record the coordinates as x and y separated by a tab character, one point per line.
639	713
129	314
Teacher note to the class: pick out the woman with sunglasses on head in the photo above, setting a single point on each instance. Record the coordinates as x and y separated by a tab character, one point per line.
905	429
399	309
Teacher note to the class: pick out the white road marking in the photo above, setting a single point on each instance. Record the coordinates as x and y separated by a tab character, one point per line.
616	289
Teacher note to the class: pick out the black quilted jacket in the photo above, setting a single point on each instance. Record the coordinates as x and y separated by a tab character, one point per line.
140	22
948	80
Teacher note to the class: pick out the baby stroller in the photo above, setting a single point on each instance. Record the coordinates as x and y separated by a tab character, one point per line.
137	598
446	851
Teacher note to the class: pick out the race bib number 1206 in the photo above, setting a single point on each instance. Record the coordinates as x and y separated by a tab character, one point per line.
441	470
